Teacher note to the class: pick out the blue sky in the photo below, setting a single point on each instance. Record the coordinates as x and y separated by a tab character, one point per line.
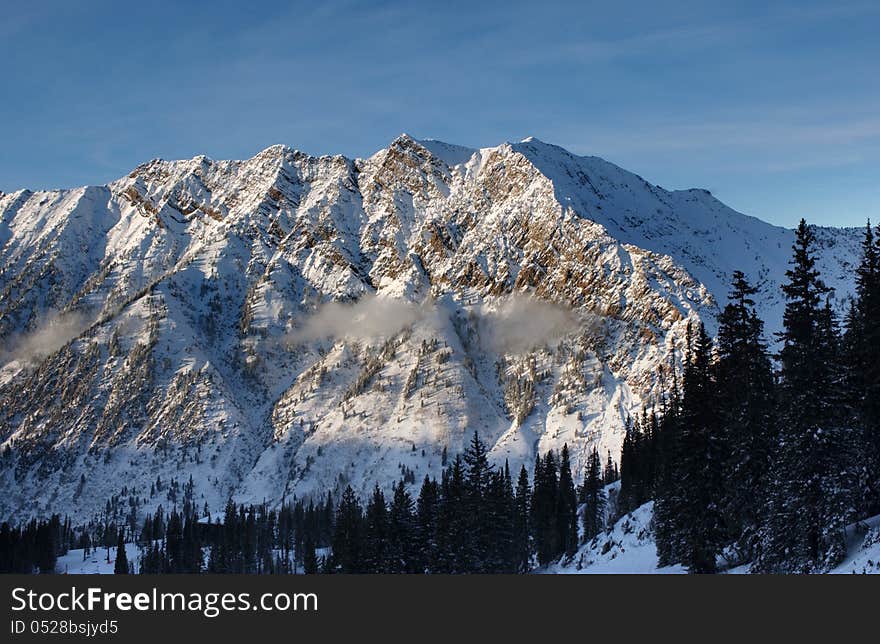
775	107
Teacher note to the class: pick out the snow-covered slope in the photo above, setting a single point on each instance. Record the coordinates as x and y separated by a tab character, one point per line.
629	548
289	324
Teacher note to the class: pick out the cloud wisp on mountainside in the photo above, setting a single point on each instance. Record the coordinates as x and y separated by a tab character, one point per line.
57	330
518	324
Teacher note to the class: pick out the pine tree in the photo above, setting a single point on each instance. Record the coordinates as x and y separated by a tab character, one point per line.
630	477
700	461
478	475
593	498
611	473
746	407
862	361
375	534
174	542
325	519
638	462
401	532
522	543
347	555
454	537
566	507
424	551
478	469
666	483
192	546
310	557
121	565
499	519
543	509
687	510
809	496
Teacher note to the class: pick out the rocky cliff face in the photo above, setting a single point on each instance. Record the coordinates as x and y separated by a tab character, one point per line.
290	324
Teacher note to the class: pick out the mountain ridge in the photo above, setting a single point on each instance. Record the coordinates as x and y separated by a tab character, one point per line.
168	317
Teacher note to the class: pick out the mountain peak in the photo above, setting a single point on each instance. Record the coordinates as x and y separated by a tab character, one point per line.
402	139
275	150
533	143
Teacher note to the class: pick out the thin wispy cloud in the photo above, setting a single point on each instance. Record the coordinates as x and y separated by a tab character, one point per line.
682	93
735	133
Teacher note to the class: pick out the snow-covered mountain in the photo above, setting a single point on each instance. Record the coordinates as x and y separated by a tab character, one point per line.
289	324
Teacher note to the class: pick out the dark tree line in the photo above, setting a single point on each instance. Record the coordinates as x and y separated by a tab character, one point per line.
35	546
250	539
767	466
475	519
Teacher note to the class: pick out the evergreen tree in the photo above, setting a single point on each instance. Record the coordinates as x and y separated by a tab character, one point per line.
498	510
638	463
543	509
809	497
192	546
522	543
611	472
401	532
121	565
566	507
174	543
424	552
454	539
593	498
310	558
347	556
375	534
745	407
478	475
688	526
701	461
478	470
324	521
862	361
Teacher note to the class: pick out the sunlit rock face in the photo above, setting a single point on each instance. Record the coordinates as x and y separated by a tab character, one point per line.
289	324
